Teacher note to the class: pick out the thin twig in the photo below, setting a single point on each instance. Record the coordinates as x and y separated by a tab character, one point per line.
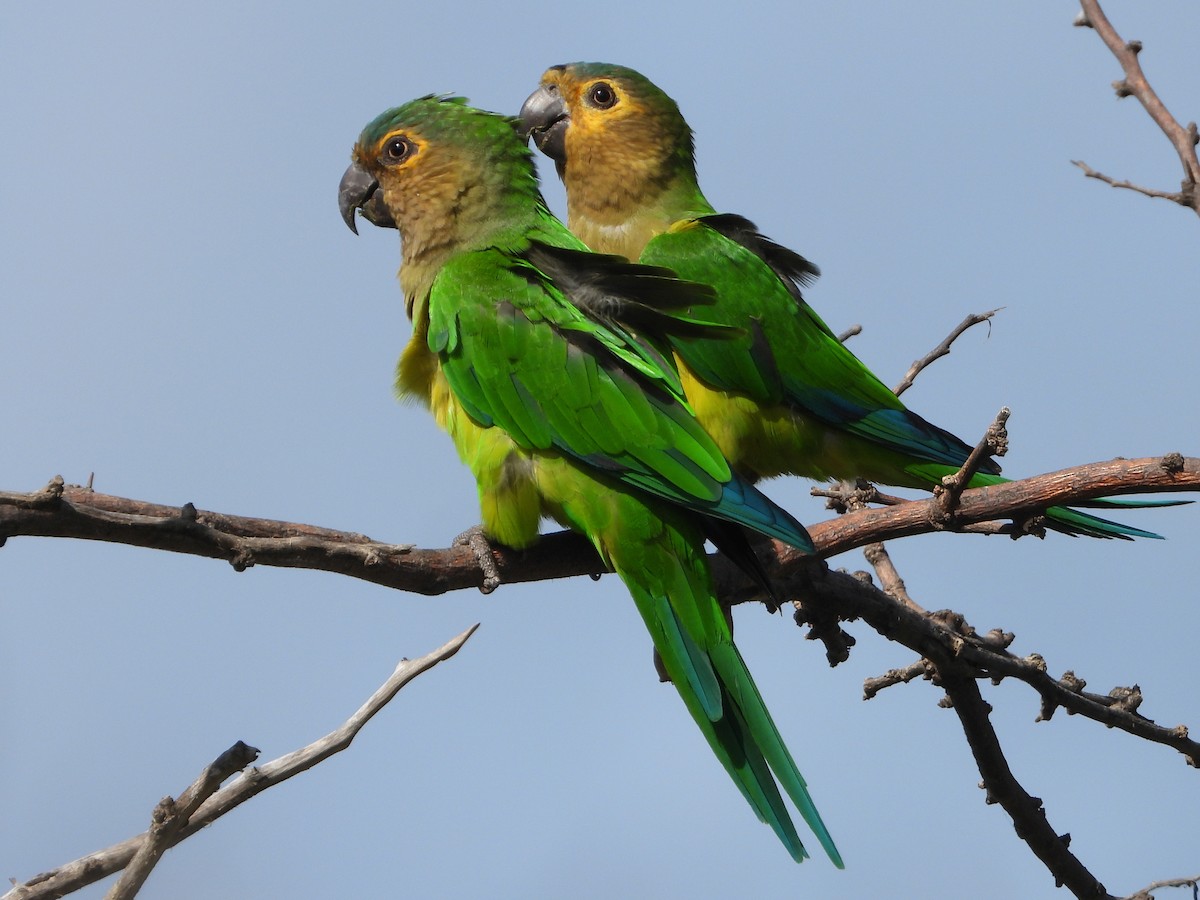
876	553
942	349
922	668
1145	893
1173	196
91	868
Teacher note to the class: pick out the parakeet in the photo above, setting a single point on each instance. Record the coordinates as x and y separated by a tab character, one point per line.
786	397
530	352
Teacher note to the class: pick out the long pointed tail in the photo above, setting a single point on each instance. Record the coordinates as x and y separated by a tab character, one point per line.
732	671
1072	521
673	591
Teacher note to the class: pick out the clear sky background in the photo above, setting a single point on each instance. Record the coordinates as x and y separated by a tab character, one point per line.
184	314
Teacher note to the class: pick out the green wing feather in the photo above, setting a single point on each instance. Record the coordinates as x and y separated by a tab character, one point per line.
812	371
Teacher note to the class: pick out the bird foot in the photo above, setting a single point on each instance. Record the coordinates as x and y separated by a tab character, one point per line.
478	542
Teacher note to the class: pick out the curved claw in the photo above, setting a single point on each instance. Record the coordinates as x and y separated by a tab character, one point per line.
475	538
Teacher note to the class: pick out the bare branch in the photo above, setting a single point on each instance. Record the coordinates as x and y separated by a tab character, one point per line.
1145	893
893	585
170	816
1022	498
1029	818
90	869
79	513
1135	84
922	668
1173	196
942	349
987	657
955	656
940	635
826	598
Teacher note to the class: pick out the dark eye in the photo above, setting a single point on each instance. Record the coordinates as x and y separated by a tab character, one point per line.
397	149
602	95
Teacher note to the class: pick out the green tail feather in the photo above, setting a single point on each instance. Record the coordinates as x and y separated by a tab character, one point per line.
696	666
734	675
741	734
1071	521
1130	503
727	734
767	801
1081	524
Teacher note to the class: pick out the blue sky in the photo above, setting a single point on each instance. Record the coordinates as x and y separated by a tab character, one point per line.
185	315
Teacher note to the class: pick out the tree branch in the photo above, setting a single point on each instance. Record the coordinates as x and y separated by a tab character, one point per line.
1182	139
955	657
1173	196
941	635
75	512
1029	818
958	677
90	869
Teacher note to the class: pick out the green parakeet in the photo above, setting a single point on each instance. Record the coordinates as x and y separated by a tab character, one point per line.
786	397
529	351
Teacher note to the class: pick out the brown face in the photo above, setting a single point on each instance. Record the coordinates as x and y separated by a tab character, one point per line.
568	109
606	131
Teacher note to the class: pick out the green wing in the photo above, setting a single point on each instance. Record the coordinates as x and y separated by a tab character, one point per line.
789	356
521	356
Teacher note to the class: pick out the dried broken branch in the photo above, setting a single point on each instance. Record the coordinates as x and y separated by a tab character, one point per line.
993	443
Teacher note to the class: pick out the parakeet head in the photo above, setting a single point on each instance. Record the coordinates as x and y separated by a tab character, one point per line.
441	171
607	118
622	149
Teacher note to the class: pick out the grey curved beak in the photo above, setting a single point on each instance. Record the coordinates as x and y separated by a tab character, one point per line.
544	118
359	190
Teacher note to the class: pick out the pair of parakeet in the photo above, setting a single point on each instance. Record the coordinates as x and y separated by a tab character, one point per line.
635	396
